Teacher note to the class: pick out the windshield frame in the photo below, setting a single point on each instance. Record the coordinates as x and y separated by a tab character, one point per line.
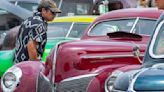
136	20
154	40
70	29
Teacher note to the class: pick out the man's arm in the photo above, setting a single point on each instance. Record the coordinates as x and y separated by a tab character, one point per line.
32	52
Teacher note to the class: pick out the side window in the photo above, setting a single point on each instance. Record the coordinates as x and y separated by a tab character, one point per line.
58	29
78	30
159	43
145	26
102	28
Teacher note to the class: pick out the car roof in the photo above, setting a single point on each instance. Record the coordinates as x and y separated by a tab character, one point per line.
131	12
16	10
30	1
75	19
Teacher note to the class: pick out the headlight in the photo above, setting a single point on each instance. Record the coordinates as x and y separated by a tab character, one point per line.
110	81
11	79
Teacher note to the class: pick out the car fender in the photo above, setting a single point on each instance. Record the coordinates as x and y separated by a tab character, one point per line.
30	73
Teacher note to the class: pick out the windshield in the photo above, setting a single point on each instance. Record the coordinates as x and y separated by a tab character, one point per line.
66	29
134	25
157	44
58	29
26	5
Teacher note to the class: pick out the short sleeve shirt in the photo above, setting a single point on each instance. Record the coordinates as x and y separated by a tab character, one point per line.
33	28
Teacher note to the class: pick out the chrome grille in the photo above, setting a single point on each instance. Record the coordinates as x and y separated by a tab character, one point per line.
75	85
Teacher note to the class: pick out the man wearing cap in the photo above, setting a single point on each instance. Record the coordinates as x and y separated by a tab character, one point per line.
32	35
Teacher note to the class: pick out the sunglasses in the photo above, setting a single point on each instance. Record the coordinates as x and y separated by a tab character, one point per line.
54	13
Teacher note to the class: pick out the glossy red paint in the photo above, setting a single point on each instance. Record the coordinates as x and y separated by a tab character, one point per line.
103	72
91	54
86	56
96	83
96	56
30	71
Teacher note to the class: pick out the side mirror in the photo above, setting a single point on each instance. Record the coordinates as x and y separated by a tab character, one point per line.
136	53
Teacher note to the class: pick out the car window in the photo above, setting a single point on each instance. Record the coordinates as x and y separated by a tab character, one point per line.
105	27
145	26
8	21
78	29
159	43
58	29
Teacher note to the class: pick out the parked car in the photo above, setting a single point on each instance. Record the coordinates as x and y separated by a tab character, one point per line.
60	29
84	65
147	77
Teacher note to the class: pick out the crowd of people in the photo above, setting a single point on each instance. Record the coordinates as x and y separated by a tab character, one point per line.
109	5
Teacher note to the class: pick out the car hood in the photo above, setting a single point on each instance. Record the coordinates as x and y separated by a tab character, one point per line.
104	45
91	54
51	42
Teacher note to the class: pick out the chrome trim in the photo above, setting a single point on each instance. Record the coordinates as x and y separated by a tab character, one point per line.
54	61
18	74
70	29
131	88
116	19
16	3
106	56
76	84
37	83
113	74
90	82
153	41
78	77
134	25
114	90
158	65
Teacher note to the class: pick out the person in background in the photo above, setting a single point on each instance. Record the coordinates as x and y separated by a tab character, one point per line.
159	4
151	3
32	35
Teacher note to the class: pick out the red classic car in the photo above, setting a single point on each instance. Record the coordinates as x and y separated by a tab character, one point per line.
147	77
83	66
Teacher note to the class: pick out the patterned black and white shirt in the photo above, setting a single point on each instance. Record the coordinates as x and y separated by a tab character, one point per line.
33	28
